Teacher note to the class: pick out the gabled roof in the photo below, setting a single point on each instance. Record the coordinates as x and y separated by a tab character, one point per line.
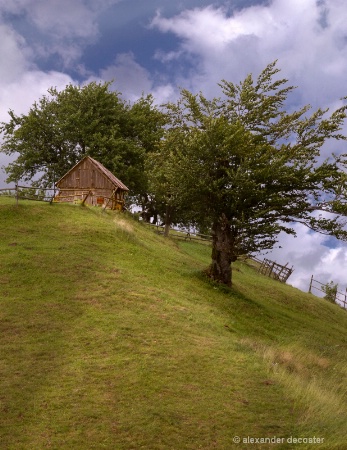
108	174
114	180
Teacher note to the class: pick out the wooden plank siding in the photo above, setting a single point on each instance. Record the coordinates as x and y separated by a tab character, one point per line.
91	183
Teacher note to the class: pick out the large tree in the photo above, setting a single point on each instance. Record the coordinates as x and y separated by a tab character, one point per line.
249	170
66	125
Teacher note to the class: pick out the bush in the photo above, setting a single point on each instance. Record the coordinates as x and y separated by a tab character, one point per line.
330	290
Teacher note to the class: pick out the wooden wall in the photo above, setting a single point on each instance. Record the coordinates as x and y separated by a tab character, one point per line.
85	176
85	179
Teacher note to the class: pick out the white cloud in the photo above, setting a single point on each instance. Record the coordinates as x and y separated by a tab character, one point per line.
308	38
14	54
309	255
21	93
61	28
164	93
63	18
21	81
132	80
129	77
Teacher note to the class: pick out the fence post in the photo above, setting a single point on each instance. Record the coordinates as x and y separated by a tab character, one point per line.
309	291
271	269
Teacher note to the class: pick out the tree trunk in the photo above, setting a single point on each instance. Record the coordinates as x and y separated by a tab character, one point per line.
145	213
167	220
222	251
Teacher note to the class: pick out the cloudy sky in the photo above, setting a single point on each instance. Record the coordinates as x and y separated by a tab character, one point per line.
159	46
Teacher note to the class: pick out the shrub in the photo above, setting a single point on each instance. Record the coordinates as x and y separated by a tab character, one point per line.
330	290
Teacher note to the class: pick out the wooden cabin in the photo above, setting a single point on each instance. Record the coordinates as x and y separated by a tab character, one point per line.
90	183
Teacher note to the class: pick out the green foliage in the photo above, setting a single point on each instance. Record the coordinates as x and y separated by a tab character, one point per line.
330	290
63	127
244	158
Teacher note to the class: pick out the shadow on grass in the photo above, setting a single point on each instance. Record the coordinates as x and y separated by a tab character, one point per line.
247	315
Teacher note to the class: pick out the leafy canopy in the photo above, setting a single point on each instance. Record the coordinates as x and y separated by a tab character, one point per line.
63	127
242	159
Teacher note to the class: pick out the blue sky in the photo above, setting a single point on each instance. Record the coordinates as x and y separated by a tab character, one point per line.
158	46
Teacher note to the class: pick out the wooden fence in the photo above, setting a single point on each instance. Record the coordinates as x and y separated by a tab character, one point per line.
29	193
181	234
274	270
340	297
265	267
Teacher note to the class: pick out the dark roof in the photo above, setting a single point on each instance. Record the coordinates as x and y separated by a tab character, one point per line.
114	180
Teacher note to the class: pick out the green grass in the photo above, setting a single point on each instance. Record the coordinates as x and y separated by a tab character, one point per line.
112	338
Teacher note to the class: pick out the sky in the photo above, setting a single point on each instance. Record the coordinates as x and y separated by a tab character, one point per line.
160	46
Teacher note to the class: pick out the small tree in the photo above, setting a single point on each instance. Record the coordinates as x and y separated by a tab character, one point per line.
249	170
330	290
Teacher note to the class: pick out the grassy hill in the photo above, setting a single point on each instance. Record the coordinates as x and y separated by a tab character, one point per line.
112	339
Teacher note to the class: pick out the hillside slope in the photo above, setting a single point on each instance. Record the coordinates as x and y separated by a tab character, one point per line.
111	338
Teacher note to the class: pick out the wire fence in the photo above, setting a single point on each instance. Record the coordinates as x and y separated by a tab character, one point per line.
330	292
